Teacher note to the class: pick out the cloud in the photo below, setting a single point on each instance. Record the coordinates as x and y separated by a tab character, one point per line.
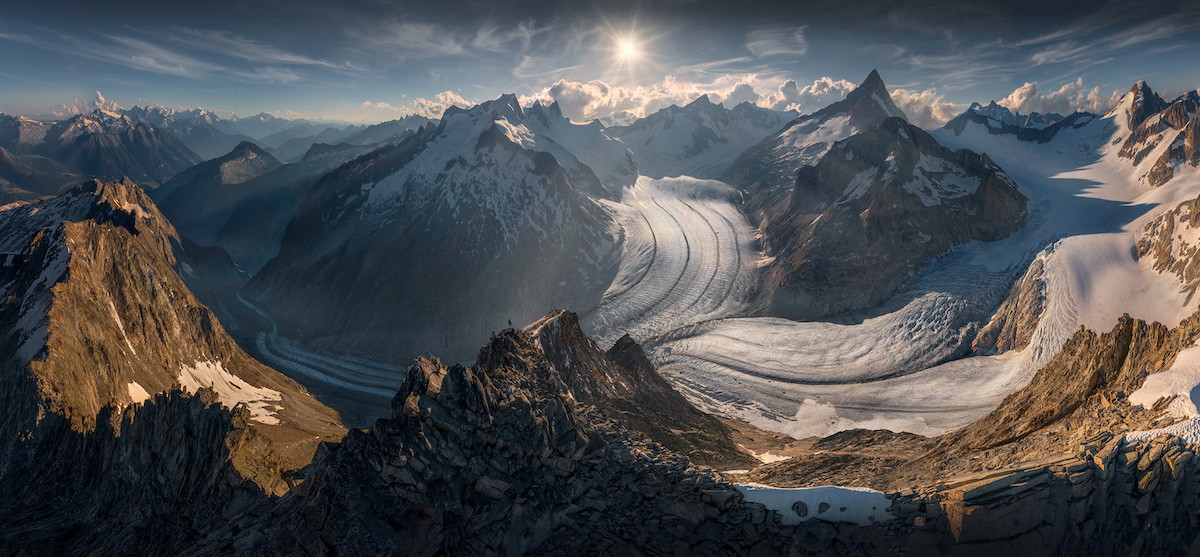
620	105
385	106
823	92
435	107
491	38
1070	97
926	109
86	106
412	39
773	41
612	104
232	44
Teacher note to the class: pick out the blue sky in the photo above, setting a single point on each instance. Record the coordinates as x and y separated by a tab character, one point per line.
367	61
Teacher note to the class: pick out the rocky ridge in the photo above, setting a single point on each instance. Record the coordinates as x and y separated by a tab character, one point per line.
624	384
1163	132
94	316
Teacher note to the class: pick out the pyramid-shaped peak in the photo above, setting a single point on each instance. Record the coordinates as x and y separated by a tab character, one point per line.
247	146
700	102
873	82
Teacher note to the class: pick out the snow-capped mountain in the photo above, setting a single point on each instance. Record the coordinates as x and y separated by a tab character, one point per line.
1034	120
767	171
383	131
20	135
101	144
700	139
261	125
201	130
873	211
996	126
1160	138
594	146
441	237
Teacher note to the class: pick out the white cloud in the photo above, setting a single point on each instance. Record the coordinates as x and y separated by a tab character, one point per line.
925	109
614	104
621	105
1070	97
86	106
412	39
772	41
823	92
435	107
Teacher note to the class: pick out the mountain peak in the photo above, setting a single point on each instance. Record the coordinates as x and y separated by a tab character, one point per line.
1145	102
873	82
247	146
700	102
869	98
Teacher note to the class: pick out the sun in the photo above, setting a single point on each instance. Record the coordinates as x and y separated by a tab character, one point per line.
628	50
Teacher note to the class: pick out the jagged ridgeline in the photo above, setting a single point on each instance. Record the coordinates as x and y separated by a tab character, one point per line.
96	322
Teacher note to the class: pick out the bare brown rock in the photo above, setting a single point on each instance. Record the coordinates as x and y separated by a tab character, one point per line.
1017	318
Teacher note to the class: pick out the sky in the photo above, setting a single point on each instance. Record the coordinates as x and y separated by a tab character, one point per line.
367	61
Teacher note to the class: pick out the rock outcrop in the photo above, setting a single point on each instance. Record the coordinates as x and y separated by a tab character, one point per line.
1013	324
1172	242
1153	123
624	384
873	211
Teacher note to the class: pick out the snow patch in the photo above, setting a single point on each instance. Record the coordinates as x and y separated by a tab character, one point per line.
1181	381
231	390
859	505
137	393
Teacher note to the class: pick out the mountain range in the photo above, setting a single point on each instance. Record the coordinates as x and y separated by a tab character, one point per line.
712	331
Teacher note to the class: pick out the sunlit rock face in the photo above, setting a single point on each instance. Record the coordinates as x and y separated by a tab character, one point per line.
95	319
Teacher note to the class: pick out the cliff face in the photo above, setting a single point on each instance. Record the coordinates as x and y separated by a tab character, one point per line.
93	315
1014	322
150	479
